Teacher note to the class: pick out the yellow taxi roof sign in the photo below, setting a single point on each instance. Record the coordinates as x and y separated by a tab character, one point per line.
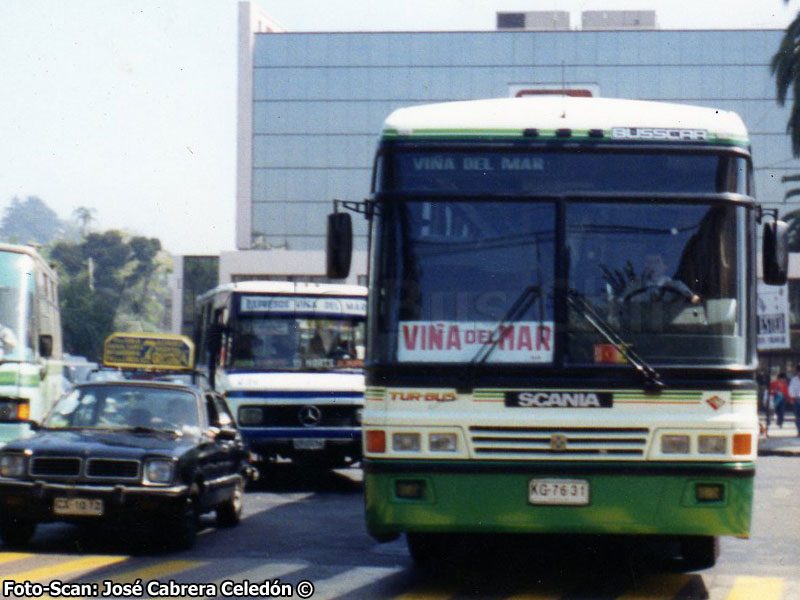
149	351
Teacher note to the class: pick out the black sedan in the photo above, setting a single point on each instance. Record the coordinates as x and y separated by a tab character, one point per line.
126	452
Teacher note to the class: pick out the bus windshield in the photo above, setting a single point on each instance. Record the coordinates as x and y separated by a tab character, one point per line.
297	343
458	274
16	300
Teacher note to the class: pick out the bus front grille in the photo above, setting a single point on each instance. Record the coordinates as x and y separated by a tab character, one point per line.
563	442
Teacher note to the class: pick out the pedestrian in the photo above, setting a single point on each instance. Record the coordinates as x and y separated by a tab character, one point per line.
779	396
762	378
794	397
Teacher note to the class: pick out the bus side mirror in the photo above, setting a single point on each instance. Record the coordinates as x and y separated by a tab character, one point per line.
215	338
775	252
45	345
339	251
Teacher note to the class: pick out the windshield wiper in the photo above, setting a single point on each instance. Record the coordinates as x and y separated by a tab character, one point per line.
652	379
143	429
516	310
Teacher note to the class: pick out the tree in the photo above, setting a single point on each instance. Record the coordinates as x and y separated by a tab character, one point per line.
786	69
84	216
125	287
30	221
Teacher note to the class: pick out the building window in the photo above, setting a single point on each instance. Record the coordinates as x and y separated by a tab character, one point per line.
511	20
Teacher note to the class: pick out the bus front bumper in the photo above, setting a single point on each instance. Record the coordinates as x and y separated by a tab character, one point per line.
493	497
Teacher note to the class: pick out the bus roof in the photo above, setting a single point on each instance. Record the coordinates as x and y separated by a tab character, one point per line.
33	253
287	288
618	119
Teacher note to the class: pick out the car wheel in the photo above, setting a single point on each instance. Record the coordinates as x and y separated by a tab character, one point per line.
229	513
182	526
16	532
699	552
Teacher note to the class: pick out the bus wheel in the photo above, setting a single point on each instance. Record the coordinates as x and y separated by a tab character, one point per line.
427	549
699	552
16	532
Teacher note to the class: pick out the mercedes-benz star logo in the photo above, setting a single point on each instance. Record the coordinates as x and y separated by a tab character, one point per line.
309	416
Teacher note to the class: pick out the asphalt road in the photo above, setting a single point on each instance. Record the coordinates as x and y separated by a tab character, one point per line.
309	528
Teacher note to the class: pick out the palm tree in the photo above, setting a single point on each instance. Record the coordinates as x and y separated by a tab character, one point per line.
84	216
786	69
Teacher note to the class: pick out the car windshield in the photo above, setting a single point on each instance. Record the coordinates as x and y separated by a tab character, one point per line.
126	407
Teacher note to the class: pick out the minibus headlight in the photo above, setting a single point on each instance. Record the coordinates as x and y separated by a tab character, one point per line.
13	410
405	442
711	444
675	444
12	465
250	416
443	442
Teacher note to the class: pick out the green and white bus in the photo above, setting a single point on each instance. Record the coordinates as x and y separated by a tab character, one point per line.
561	321
30	340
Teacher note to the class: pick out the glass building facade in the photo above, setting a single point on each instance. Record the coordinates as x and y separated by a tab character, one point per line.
319	99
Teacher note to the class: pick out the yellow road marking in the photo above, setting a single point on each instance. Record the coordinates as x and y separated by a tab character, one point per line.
763	588
155	571
49	572
7	557
547	593
660	586
268	571
427	593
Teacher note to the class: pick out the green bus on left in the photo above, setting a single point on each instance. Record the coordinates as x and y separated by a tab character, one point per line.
31	363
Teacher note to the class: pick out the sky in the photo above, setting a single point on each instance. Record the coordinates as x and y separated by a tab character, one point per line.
128	107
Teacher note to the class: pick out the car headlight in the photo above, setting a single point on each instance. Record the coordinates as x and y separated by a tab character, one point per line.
158	471
12	465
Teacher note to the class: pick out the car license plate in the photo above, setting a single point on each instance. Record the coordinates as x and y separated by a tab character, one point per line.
309	444
573	492
83	507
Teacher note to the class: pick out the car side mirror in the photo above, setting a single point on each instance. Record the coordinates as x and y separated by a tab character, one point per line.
339	245
45	345
775	252
227	433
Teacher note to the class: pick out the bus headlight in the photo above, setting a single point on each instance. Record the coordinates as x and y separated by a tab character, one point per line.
158	471
443	442
405	442
711	444
675	444
12	465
